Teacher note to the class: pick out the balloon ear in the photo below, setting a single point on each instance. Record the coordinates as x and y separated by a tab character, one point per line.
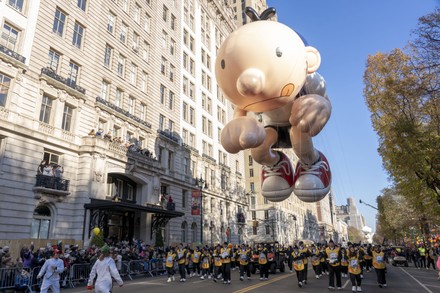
313	59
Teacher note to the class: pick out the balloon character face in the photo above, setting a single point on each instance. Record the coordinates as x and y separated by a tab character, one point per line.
263	65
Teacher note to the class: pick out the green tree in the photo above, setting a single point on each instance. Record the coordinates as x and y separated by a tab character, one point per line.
98	240
159	238
355	235
402	94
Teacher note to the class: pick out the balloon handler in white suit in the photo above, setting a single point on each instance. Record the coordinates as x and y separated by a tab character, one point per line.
51	271
104	270
268	69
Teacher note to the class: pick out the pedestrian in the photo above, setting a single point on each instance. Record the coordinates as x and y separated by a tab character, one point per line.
379	265
244	256
431	255
226	254
51	271
354	269
315	260
422	252
305	251
438	267
298	265
332	254
181	260
218	262
344	262
205	260
104	270
169	263
262	262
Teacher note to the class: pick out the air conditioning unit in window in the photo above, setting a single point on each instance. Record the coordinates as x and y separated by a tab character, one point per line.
135	48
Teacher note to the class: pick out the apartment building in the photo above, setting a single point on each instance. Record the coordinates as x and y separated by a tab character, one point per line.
110	117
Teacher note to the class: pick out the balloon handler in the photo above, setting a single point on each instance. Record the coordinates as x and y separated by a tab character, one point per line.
266	68
104	270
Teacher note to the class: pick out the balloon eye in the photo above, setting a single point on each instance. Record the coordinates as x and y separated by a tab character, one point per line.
279	52
223	64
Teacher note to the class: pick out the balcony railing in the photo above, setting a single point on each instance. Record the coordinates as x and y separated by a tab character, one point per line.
122	111
66	81
209	158
52	182
12	54
168	135
187	146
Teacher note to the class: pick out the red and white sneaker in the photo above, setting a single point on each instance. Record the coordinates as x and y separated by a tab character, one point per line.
312	183
277	181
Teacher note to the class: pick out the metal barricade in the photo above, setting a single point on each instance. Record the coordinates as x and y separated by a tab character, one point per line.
124	269
139	267
79	274
157	266
16	278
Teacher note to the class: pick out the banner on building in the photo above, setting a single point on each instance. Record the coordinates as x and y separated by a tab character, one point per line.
196	202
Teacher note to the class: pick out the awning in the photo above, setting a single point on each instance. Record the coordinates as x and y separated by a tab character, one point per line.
100	204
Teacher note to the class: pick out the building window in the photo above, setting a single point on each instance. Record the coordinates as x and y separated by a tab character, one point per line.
118	98
41	223
137	13
111	22
59	21
108	56
5	84
9	36
123	33
171	100
147	23
54	60
144	81
267	229
165	13
131	105
161	122
145	51
72	76
16	4
183	228
105	90
46	109
172	46
163	65
121	64
133	73
67	118
170	160
254	213
266	215
184	192
173	22
251	172
162	94
172	70
78	33
82	4
143	112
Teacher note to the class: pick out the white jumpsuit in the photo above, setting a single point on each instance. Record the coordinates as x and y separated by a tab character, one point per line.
52	268
105	269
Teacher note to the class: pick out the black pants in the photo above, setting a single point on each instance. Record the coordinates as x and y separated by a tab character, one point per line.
380	273
306	268
368	264
264	271
182	271
217	271
196	268
245	269
422	262
170	271
334	272
355	279
317	269
300	275
226	267
430	261
324	267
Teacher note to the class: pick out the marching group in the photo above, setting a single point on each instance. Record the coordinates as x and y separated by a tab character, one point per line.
216	263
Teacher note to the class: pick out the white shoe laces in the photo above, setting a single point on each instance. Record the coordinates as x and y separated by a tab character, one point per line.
276	170
314	169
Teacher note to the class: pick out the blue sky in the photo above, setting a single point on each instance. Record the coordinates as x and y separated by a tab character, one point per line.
345	32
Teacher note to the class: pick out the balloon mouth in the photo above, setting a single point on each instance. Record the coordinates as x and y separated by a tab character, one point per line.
266	104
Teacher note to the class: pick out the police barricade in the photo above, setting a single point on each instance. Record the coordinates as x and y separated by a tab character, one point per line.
124	269
15	278
157	266
139	267
79	274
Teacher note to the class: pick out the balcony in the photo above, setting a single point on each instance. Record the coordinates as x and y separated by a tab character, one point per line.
51	185
12	54
188	147
209	158
64	81
168	135
118	110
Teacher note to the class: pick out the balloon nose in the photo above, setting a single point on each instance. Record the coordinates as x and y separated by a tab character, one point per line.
250	82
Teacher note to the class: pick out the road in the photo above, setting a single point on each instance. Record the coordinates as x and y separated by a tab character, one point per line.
399	279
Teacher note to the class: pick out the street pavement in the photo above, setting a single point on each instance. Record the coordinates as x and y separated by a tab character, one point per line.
399	280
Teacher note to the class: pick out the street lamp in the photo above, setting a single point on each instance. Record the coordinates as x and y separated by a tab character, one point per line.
296	227
201	184
367	204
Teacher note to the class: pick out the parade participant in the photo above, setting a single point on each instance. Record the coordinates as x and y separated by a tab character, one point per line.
354	269
51	271
431	255
262	262
105	271
422	252
205	260
304	250
344	262
298	264
315	259
181	260
323	260
195	258
332	254
289	258
226	255
244	257
169	263
218	263
368	258
379	265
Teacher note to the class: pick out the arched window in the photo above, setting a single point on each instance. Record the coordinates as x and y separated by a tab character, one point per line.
194	232
41	223
184	227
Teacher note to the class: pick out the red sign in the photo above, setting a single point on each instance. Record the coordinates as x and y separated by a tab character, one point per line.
196	201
